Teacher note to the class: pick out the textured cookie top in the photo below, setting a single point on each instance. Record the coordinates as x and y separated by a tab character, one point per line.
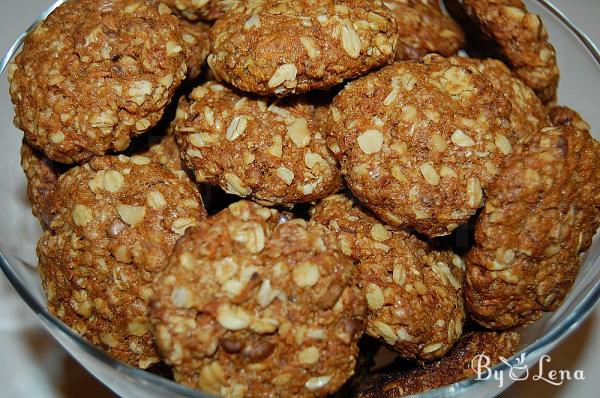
541	214
252	302
42	173
133	202
274	153
455	367
420	142
116	222
293	46
94	74
196	10
518	36
528	114
423	29
413	292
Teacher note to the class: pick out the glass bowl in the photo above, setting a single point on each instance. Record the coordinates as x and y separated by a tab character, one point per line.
579	60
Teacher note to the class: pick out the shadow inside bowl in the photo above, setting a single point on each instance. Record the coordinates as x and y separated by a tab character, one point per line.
72	379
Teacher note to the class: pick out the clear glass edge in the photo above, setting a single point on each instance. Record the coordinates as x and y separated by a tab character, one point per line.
534	350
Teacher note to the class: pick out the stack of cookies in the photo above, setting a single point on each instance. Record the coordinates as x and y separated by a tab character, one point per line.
379	175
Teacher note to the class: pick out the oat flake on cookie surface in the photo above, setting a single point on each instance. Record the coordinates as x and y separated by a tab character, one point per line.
115	222
255	304
420	141
292	46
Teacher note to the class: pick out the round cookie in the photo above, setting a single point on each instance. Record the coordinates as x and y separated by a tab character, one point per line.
196	10
197	40
424	29
414	292
420	142
455	367
274	153
116	220
294	46
254	304
506	29
528	114
94	74
541	214
42	173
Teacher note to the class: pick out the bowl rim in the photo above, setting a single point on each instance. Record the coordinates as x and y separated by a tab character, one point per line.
533	350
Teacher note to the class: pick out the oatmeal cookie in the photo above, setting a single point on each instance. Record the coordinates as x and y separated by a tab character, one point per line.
294	46
423	29
200	10
455	367
419	142
563	116
42	173
94	74
116	219
528	114
273	153
414	293
541	214
253	304
506	29
196	37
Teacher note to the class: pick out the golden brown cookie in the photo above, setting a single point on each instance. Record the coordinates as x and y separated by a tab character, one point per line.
414	292
506	29
424	29
541	214
42	173
275	153
420	141
116	220
94	74
254	304
294	46
528	114
456	366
